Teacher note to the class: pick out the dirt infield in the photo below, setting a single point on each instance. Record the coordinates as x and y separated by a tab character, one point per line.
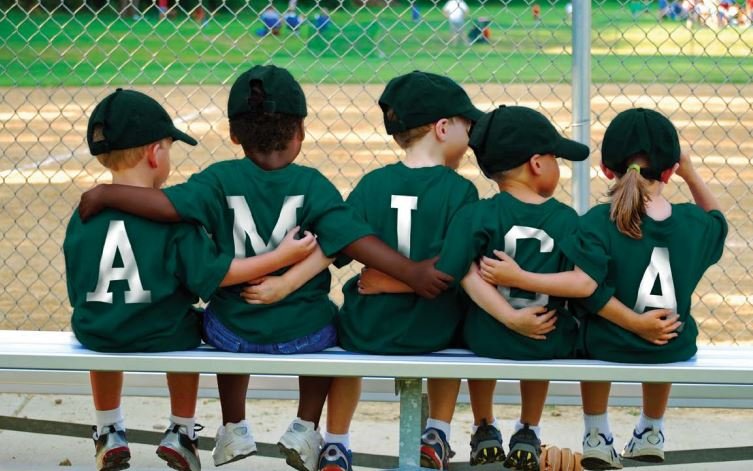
45	166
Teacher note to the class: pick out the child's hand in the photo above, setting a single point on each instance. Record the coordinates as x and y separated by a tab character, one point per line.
266	290
292	250
534	321
373	281
426	280
686	168
502	272
657	326
91	203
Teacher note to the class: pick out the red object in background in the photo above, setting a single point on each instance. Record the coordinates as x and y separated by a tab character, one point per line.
198	14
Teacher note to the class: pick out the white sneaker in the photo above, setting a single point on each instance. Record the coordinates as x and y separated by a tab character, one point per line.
645	446
301	445
232	443
599	452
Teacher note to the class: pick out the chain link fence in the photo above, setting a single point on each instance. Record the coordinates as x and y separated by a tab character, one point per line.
59	57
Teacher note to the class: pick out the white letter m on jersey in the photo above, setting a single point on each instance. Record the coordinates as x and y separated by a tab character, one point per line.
117	241
244	225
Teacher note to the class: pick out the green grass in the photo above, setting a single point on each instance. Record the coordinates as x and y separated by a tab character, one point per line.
369	46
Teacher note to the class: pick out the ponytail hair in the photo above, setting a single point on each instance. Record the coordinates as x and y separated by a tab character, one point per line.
629	196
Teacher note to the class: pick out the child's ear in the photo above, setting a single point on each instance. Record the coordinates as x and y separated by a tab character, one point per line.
234	139
535	164
441	127
607	173
667	174
151	154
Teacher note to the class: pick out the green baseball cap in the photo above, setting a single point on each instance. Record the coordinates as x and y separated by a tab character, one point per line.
130	119
420	98
510	135
641	131
283	93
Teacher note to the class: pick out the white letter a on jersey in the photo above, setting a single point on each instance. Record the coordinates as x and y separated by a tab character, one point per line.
658	267
117	241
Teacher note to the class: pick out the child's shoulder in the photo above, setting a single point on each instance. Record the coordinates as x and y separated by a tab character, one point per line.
694	212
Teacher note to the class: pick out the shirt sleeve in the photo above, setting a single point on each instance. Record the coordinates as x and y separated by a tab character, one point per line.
336	224
587	248
200	200
199	266
715	235
465	241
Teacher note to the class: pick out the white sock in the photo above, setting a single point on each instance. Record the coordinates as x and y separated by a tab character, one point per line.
109	417
187	422
343	439
536	429
494	424
600	421
308	424
647	422
439	425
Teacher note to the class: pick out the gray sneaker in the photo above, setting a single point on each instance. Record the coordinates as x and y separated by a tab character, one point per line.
646	446
599	452
111	451
178	450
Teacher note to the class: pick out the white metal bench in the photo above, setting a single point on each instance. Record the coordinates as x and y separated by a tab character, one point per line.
730	369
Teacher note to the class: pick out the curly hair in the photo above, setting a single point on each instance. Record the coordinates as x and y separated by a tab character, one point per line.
262	131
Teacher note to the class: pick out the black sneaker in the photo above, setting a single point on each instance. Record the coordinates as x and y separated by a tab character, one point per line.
178	450
525	449
111	451
486	445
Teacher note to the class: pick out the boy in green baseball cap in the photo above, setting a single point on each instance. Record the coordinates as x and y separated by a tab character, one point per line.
409	204
517	148
248	204
133	283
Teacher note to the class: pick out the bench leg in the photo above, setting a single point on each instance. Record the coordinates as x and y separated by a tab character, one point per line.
410	422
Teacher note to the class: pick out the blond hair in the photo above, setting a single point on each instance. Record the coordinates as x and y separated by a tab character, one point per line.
405	139
121	159
629	196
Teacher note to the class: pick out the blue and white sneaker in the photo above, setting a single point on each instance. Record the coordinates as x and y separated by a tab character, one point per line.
435	451
111	451
599	452
646	446
335	457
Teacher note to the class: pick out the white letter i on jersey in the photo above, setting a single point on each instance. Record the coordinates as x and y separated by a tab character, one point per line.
404	206
659	266
117	241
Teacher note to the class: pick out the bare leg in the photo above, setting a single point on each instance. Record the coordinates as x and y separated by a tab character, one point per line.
655	398
232	389
184	388
313	394
533	397
106	389
342	401
595	397
443	396
482	399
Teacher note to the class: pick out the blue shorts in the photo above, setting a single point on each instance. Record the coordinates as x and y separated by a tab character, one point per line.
217	335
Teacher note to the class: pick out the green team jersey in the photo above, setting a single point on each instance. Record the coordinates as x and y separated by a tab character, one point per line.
248	211
660	270
410	209
531	234
133	282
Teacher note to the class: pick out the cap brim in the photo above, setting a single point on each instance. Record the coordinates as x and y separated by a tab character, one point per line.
179	135
571	150
473	113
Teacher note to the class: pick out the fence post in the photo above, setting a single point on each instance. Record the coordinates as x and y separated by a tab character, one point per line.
581	183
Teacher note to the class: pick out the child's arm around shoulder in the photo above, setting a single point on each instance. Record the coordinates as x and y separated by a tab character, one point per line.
534	322
504	271
271	289
290	251
149	203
